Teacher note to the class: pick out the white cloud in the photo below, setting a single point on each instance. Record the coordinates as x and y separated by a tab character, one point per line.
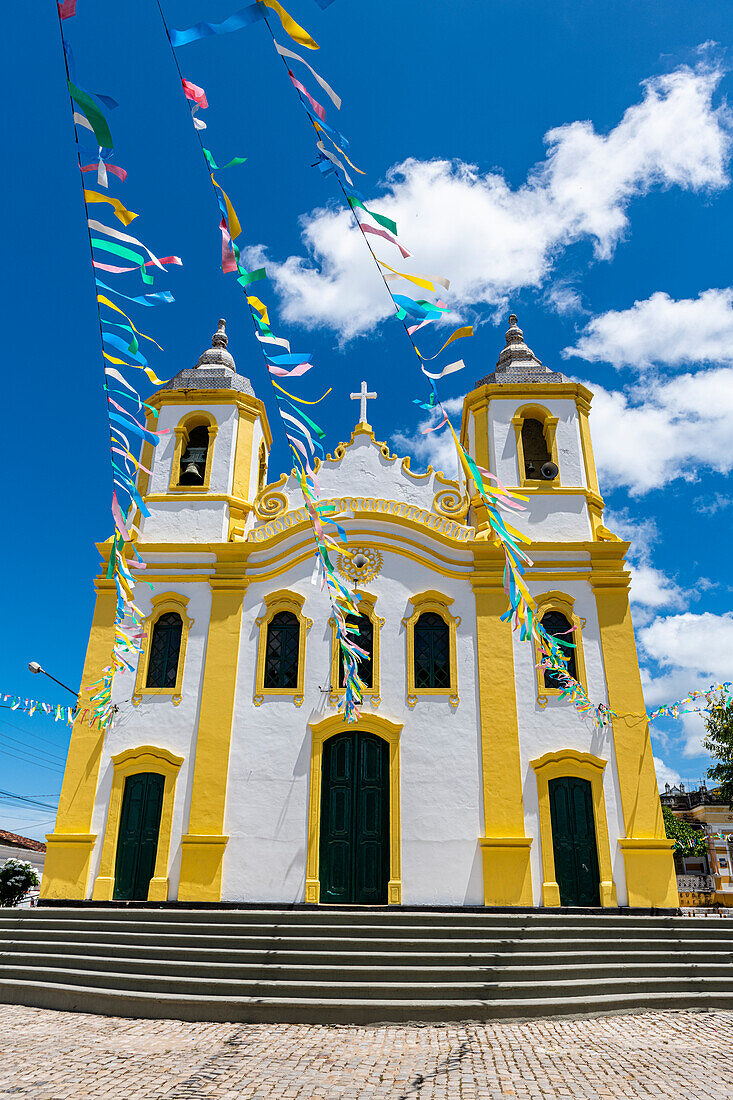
662	331
651	589
701	644
693	732
665	774
669	429
490	239
435	449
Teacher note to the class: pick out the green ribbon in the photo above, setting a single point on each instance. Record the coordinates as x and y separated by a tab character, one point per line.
248	277
217	167
95	116
126	254
386	222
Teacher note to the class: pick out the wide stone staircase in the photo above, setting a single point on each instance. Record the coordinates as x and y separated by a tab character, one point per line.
360	965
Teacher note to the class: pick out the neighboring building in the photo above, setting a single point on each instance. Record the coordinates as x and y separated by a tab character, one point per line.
704	879
13	846
230	774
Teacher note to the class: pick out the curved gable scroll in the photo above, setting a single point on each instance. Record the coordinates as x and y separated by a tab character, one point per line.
411	515
276	603
436	603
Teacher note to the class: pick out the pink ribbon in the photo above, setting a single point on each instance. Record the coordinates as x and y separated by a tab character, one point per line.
67	8
118	518
121	173
228	259
313	102
294	373
117	270
387	236
194	93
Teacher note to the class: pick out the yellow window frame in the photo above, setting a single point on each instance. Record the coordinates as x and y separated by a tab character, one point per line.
431	600
183	430
559	601
162	603
282	600
367	606
143	758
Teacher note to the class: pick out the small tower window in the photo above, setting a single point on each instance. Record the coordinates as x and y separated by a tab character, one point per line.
557	626
534	446
361	631
432	652
193	459
165	648
283	651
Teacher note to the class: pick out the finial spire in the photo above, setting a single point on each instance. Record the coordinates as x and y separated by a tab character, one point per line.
220	338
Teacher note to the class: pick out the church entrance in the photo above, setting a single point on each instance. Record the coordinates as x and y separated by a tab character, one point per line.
137	843
574	841
354	848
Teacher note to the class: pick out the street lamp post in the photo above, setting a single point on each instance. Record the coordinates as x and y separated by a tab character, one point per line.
36	668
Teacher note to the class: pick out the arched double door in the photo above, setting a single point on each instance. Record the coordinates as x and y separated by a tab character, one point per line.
355	798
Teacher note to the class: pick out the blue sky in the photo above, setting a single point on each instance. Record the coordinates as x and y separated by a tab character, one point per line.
569	161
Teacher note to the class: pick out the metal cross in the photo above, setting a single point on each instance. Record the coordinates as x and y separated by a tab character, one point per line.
362	396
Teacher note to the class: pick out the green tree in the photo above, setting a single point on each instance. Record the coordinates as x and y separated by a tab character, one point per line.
16	878
688	840
719	743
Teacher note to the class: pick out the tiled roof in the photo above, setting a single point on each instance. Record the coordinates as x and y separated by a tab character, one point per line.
15	841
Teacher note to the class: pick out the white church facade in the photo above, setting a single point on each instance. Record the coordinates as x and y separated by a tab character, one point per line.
229	775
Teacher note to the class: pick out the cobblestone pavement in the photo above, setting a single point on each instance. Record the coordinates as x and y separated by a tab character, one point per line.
50	1055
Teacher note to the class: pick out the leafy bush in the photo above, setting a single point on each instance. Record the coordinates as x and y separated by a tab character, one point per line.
16	878
688	840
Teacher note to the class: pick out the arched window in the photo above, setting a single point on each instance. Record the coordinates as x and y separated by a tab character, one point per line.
534	446
165	649
193	459
282	651
432	651
557	626
361	631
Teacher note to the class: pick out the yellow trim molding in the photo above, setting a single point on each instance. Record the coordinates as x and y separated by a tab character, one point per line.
145	758
560	601
282	600
580	765
320	732
183	431
367	606
245	402
431	600
69	854
162	604
549	427
202	848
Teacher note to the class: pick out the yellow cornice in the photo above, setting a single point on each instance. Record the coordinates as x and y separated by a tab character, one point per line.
479	398
247	403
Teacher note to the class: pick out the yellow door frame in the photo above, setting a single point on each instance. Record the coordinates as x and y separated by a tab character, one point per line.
578	765
320	733
145	758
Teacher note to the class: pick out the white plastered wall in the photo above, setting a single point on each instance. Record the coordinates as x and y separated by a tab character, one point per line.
269	777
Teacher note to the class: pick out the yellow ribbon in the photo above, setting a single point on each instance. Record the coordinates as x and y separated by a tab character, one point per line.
418	280
300	399
459	334
260	307
234	227
106	302
125	215
290	27
147	370
343	154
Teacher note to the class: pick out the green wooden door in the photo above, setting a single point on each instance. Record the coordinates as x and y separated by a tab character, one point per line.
354	849
574	841
137	843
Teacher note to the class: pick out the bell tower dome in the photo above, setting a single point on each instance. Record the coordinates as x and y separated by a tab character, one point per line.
204	474
528	425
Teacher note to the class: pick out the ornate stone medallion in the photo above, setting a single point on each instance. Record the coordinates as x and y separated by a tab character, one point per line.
363	566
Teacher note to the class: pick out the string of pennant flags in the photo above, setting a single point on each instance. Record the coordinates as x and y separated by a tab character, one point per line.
303	434
120	348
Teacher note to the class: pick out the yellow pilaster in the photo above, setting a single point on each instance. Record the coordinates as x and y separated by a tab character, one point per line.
650	874
69	847
202	848
504	848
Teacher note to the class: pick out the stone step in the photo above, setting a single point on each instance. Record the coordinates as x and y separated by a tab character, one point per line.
380	990
258	1009
337	971
680	953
